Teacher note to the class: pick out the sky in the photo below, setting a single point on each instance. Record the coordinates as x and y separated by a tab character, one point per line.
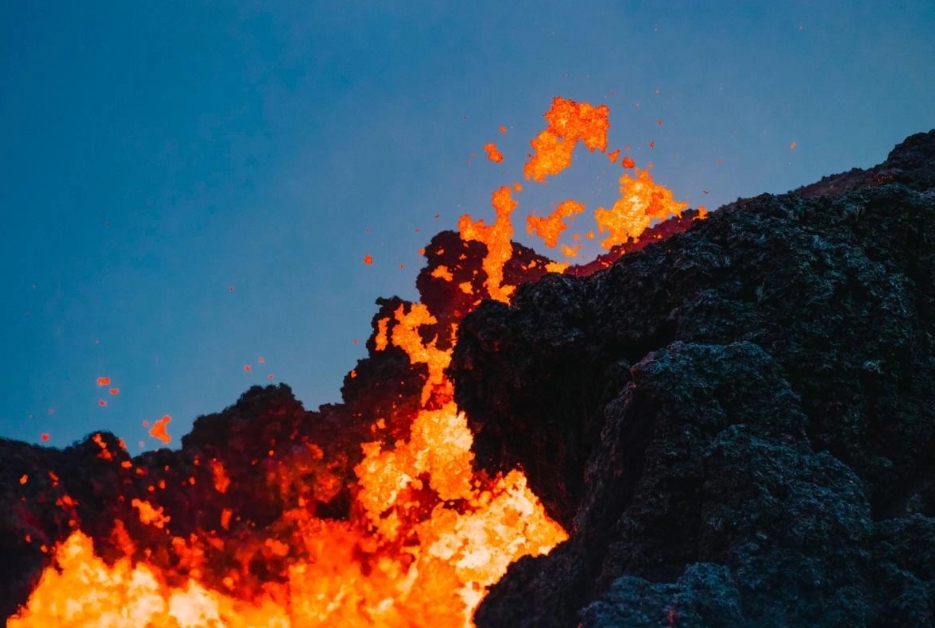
187	187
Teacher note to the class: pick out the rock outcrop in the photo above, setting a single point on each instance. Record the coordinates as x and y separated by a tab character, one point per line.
737	424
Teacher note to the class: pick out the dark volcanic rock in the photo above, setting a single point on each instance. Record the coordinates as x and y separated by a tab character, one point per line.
704	597
771	450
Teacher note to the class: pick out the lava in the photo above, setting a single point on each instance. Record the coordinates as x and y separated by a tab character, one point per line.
425	534
641	201
568	123
158	430
497	238
493	153
551	227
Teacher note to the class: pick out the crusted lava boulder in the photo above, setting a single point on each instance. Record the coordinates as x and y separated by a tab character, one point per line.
736	424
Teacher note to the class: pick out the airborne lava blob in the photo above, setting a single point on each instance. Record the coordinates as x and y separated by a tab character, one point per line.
424	535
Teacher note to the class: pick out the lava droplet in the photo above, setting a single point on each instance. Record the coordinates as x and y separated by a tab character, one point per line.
159	429
493	154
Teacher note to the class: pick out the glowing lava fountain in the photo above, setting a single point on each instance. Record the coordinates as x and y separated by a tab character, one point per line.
425	535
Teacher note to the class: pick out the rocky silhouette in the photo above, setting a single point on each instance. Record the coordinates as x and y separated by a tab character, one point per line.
733	418
736	424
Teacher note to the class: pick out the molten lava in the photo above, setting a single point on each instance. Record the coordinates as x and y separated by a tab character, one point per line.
158	430
425	534
551	227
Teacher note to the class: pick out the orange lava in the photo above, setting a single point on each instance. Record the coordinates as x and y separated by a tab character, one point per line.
497	237
492	153
158	431
150	515
568	123
551	227
641	201
426	536
570	251
442	272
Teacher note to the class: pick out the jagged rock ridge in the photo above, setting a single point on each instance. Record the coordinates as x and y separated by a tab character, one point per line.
737	423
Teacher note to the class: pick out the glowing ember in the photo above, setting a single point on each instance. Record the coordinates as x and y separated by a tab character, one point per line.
492	153
641	201
149	514
497	238
424	537
406	337
552	226
569	122
158	430
442	272
570	251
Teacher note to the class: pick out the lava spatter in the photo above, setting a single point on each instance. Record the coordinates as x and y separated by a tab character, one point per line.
424	535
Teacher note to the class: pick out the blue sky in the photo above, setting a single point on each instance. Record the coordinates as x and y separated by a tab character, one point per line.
155	155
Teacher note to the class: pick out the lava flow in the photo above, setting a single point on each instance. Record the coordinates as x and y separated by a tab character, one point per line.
423	534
